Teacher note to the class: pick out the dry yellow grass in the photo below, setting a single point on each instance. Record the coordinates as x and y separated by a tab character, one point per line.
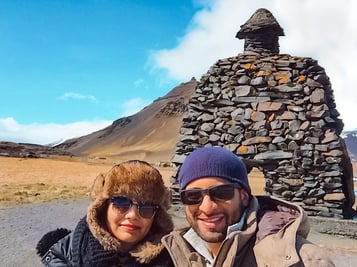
40	180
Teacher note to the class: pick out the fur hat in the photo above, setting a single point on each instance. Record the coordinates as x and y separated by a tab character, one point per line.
141	182
213	162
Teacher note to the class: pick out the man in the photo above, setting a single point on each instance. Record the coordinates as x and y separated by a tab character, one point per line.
229	226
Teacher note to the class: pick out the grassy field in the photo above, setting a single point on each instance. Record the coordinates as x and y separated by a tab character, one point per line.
41	180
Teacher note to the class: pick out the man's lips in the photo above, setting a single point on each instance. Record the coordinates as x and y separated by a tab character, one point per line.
211	221
130	227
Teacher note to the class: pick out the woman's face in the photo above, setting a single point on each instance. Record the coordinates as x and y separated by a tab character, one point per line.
128	226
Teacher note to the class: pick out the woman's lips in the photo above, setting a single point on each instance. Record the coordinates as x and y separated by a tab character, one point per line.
130	227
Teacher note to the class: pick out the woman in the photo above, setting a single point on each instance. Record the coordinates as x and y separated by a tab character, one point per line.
123	226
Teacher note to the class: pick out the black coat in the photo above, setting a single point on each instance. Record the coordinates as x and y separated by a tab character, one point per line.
81	248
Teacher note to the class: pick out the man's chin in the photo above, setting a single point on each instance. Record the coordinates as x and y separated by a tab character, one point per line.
211	236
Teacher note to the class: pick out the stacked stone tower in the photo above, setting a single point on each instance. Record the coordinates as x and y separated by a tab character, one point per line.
277	112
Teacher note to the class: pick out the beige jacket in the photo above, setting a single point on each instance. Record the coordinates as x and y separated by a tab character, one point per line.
277	239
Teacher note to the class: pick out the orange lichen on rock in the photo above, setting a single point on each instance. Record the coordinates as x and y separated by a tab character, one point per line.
250	66
263	73
242	149
283	79
301	79
271	117
254	113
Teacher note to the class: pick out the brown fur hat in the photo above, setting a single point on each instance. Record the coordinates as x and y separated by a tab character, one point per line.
97	186
142	183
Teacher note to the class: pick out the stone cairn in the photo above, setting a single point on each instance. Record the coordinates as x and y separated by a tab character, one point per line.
277	112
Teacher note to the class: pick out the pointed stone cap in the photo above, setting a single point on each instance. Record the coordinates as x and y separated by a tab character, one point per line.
261	33
261	22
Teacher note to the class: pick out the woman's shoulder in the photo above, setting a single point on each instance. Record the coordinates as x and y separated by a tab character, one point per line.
56	246
60	251
50	239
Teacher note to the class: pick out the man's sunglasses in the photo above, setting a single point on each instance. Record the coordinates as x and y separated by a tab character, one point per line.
123	204
220	192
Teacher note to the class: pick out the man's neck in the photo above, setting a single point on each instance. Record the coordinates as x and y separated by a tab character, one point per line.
214	248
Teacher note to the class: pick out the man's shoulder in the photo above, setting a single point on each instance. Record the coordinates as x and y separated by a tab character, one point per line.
276	214
267	203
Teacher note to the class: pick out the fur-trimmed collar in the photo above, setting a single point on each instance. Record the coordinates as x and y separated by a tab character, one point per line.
147	249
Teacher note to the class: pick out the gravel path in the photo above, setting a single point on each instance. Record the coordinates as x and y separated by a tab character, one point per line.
22	226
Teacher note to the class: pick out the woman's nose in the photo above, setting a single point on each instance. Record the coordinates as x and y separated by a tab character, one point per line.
133	210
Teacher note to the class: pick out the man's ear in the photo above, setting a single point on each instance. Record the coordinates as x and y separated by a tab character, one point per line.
245	197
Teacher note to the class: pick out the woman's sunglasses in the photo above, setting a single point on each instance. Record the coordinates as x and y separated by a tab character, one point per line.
220	192
123	204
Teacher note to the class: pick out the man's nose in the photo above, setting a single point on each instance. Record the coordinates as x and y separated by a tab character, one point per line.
207	204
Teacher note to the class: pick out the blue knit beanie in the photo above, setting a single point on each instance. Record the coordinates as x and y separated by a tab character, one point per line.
213	162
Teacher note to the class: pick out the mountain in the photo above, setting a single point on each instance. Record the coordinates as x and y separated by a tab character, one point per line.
25	150
350	138
151	134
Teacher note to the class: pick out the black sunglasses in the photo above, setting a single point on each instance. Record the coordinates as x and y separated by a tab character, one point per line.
123	204
220	192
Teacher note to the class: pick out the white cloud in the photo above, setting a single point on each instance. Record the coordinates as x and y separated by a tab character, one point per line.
133	106
48	133
321	29
73	95
35	133
139	83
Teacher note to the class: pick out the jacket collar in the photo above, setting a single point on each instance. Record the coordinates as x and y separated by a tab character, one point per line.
146	250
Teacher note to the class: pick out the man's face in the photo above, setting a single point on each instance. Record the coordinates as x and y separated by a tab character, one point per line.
210	219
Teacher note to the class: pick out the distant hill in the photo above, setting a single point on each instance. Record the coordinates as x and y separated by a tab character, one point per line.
350	138
25	150
151	134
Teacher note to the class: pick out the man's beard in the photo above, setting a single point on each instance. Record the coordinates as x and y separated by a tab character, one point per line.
208	236
216	236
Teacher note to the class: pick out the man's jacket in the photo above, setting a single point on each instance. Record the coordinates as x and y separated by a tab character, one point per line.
274	235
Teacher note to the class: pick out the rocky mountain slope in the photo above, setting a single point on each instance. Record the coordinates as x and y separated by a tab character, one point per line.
151	134
350	138
24	150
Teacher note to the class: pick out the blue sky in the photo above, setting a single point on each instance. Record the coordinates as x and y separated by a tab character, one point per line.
69	68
